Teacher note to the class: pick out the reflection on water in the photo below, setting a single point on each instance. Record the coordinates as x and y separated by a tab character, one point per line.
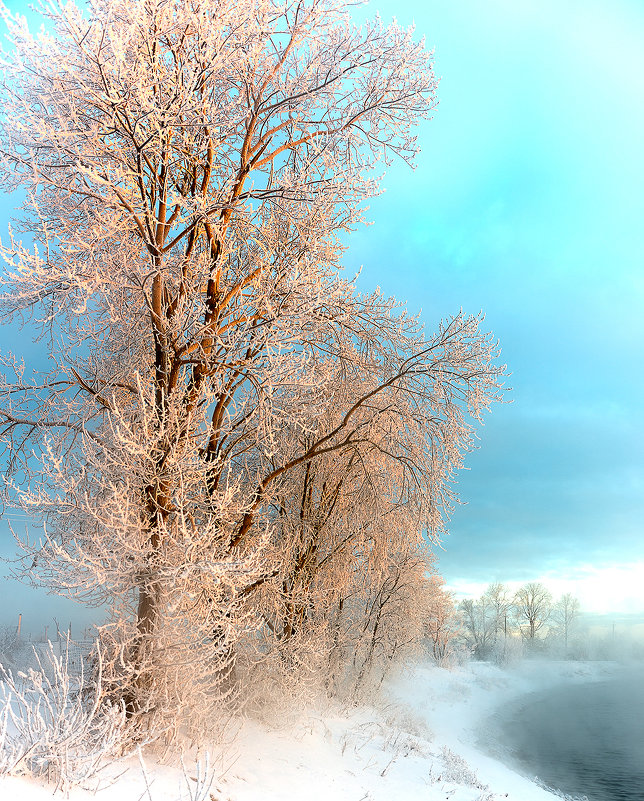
582	740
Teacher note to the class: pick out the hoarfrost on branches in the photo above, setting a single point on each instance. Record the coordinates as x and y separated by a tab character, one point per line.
231	447
61	724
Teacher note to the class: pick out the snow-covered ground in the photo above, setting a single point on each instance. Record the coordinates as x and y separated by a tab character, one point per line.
420	740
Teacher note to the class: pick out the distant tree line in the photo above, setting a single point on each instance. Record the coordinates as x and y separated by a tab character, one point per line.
500	621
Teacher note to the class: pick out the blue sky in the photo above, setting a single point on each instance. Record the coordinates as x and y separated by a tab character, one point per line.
528	203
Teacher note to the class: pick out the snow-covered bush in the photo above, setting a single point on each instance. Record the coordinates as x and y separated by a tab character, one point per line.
10	752
456	770
57	725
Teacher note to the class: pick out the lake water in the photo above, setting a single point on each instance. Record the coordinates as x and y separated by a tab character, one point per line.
582	740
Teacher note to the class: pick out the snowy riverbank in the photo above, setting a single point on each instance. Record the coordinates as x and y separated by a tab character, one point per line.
421	740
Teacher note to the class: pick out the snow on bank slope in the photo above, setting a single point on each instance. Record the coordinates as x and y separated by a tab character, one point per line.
418	741
457	705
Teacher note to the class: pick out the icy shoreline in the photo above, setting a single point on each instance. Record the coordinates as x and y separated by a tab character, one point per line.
420	740
459	703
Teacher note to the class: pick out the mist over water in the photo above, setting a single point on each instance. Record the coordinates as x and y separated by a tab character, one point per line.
580	739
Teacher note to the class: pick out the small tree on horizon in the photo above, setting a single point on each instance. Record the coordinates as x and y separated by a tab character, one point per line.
533	605
479	625
565	612
500	601
485	619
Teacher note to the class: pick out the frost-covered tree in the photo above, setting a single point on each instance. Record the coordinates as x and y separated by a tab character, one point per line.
344	520
533	607
442	624
485	619
189	169
479	626
564	614
500	603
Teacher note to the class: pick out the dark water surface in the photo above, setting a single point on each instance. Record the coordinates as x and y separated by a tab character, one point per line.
583	740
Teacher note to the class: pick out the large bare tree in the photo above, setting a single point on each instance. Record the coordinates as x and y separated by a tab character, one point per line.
189	170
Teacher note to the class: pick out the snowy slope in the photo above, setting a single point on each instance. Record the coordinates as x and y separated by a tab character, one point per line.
418	741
